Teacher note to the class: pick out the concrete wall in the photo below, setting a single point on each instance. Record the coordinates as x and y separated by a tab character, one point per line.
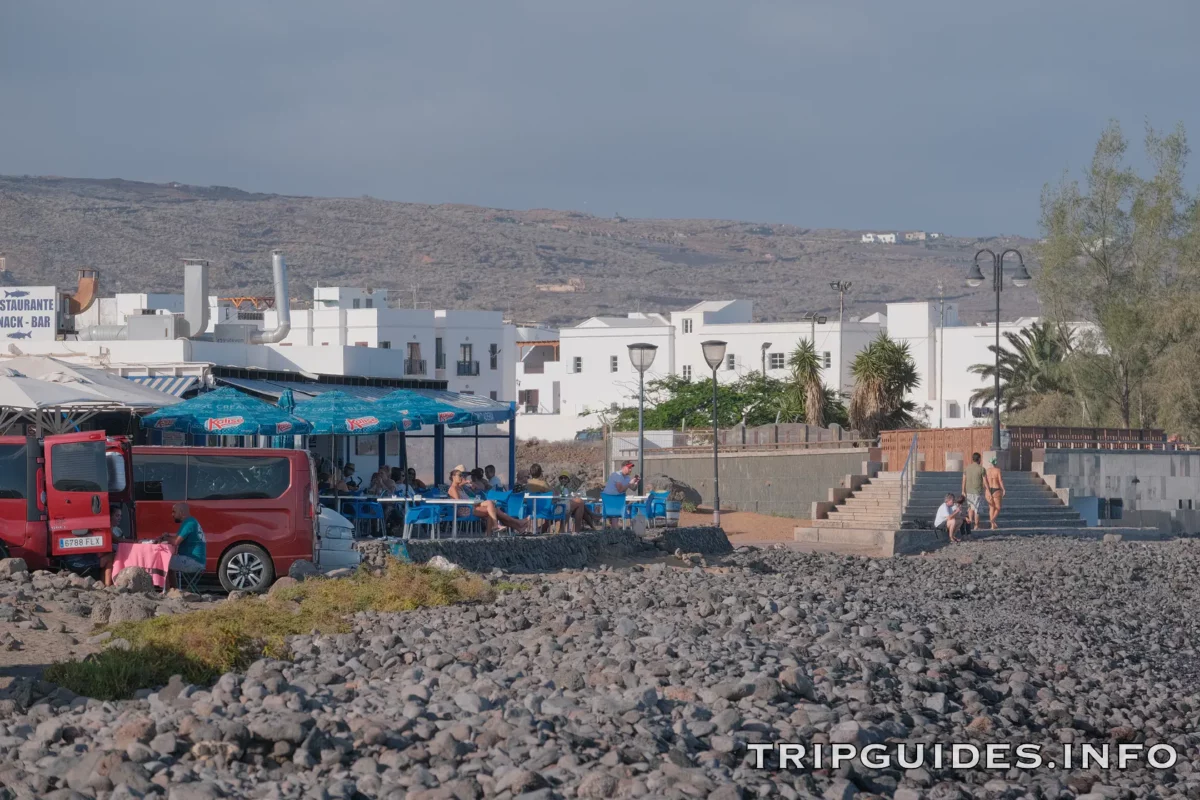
1151	485
785	484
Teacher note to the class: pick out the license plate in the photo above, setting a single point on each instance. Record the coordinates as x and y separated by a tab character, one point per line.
77	542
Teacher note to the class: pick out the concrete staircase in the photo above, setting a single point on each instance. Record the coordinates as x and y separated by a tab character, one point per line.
1028	502
875	504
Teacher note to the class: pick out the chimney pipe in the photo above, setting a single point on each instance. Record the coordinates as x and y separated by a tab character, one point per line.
195	297
283	308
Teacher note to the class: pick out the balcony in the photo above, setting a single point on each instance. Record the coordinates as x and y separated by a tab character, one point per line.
468	368
414	366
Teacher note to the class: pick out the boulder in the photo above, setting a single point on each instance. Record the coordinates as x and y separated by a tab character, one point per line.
302	570
11	566
133	579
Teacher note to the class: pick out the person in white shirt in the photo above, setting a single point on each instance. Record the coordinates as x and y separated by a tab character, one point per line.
489	475
949	518
620	482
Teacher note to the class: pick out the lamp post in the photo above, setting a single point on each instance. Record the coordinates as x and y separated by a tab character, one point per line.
975	279
941	349
841	287
765	347
714	354
642	356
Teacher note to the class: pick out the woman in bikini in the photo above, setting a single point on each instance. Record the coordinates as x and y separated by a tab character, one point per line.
486	510
993	482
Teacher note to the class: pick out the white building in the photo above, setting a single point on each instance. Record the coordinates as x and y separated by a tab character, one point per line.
347	333
570	380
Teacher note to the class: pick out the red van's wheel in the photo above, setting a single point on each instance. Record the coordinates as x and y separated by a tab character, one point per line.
246	568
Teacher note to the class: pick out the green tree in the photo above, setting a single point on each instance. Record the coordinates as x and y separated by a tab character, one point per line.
1030	366
805	389
884	373
1116	255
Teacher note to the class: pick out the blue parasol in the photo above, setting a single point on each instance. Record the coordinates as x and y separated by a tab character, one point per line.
225	412
339	414
426	410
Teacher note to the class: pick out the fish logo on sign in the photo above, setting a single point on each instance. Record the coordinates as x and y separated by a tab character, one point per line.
165	423
17	293
21	335
222	423
283	427
445	416
361	423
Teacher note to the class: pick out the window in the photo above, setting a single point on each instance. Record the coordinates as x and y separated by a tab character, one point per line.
385	345
370	303
493	354
465	351
825	358
159	477
439	355
776	360
493	395
414	349
613	361
237	477
577	364
687	326
952	410
357	304
12	472
687	372
731	361
361	344
79	467
1116	508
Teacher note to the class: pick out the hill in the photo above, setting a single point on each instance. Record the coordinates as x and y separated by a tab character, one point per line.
465	256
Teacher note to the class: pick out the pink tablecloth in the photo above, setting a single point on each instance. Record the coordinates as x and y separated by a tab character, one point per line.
154	557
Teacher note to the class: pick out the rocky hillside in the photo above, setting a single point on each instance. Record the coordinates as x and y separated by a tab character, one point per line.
463	256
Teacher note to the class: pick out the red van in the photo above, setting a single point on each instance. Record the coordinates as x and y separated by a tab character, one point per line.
256	506
56	495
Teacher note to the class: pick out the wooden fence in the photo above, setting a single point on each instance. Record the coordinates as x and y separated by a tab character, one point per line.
935	445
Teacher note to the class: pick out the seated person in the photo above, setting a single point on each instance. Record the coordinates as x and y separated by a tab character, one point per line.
536	483
351	482
949	517
324	483
489	474
577	507
479	485
106	559
190	552
417	484
381	482
487	510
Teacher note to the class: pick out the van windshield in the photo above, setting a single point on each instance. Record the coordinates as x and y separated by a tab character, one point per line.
12	471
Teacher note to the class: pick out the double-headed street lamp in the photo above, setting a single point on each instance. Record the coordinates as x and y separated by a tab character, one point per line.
642	356
714	354
975	279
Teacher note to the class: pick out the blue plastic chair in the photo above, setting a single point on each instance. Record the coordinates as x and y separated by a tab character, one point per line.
429	516
656	506
468	523
612	506
547	507
499	497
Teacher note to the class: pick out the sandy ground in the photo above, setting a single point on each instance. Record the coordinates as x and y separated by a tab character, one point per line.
745	527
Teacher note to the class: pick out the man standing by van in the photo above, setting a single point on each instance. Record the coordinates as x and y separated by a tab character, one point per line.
189	544
972	487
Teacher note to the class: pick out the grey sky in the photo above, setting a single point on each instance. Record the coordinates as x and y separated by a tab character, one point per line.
940	115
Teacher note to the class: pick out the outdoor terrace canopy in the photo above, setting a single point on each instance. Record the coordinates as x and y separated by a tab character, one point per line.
226	412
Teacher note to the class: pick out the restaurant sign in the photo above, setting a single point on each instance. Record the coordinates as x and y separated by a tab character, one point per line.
28	312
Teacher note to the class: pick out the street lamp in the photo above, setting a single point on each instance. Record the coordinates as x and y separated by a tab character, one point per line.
642	356
714	354
765	347
816	319
974	280
841	287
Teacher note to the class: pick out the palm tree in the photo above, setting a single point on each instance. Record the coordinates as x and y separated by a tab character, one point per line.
1031	365
884	373
805	386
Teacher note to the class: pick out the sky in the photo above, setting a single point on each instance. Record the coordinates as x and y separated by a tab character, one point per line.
930	114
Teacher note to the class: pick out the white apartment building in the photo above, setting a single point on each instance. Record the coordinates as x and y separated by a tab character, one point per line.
347	332
569	380
573	379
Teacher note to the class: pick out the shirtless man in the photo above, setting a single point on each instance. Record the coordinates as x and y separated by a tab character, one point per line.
993	483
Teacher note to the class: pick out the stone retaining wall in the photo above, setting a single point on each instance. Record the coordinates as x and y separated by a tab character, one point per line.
544	553
709	541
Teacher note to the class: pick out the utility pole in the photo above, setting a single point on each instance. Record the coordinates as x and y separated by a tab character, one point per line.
841	287
414	291
941	349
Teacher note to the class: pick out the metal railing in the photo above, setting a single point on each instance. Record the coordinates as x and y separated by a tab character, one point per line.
908	475
772	447
468	367
414	366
